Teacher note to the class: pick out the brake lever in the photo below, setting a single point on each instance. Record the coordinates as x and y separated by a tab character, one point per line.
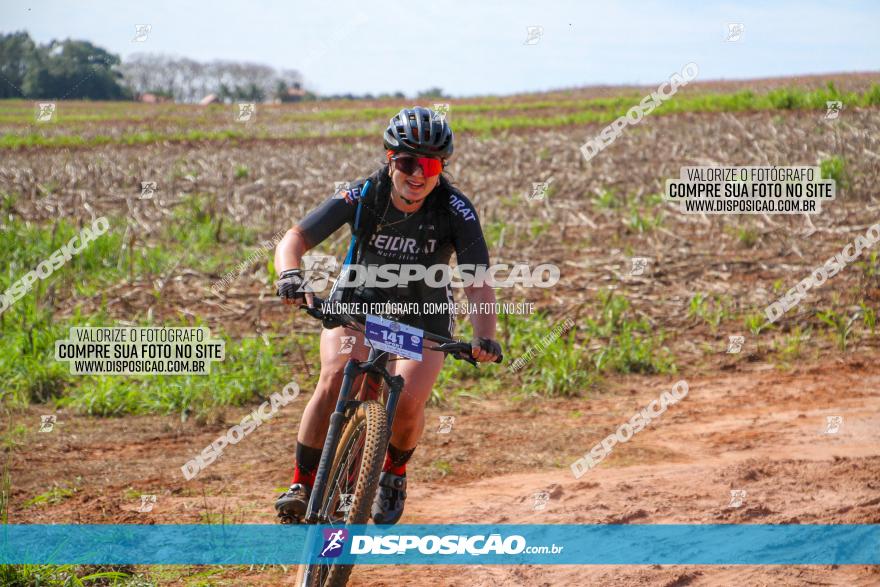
462	354
468	358
313	312
473	361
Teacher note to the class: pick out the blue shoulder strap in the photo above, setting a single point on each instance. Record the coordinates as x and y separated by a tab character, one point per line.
357	221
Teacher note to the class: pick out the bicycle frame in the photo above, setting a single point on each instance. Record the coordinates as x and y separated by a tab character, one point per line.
373	367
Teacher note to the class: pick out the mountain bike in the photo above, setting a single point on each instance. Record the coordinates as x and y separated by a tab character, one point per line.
357	438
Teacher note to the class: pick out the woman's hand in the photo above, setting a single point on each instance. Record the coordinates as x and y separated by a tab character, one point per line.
483	347
292	288
485	350
289	253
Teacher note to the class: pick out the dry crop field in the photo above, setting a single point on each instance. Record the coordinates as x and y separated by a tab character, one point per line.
754	420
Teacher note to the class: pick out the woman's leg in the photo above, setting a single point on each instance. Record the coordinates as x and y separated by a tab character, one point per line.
316	416
292	504
409	420
419	378
409	423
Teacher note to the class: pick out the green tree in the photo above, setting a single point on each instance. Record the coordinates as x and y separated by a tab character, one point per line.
73	70
17	55
61	69
431	93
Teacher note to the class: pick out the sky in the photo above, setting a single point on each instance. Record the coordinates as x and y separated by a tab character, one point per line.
475	48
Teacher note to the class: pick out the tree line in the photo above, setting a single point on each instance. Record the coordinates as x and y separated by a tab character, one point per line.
187	80
79	70
59	70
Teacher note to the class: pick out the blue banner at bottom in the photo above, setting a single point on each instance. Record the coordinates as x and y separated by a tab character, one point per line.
457	544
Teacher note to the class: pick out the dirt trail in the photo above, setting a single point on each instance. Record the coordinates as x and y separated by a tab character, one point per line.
764	434
762	431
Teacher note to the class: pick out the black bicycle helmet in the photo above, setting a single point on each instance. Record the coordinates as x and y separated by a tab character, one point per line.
419	131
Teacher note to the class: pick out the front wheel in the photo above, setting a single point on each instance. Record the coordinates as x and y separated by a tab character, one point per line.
351	485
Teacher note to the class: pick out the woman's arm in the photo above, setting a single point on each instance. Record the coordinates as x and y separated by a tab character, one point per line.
471	249
308	233
288	255
289	252
484	321
312	230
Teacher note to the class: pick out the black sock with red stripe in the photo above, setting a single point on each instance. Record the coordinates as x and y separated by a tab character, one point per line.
307	460
396	459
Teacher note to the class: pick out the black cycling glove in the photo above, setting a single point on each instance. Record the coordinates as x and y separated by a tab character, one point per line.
290	285
487	344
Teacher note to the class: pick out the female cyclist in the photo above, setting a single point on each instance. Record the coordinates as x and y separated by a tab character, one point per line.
410	214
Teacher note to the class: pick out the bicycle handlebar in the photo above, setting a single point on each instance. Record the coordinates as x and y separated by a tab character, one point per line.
458	349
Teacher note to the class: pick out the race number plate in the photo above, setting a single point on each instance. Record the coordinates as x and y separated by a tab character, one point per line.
394	337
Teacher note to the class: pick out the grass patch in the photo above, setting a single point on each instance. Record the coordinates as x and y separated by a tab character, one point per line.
839	326
52	575
835	168
539	227
641	220
622	343
495	230
870	267
253	368
558	370
481	118
64	576
24	245
31	140
612	341
443	468
13	437
747	237
869	318
709	310
607	200
54	496
200	232
790	348
26	347
756	322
